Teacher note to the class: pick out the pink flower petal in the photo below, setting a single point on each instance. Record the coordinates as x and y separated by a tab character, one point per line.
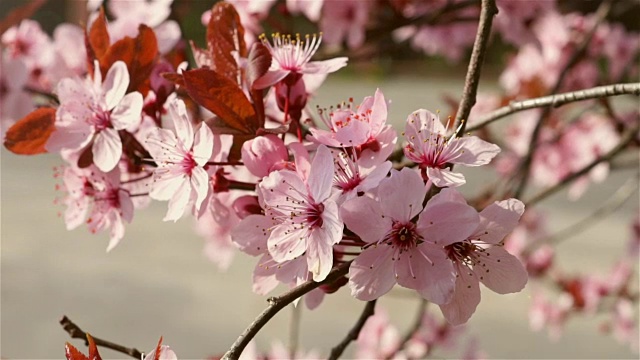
371	273
475	151
179	201
292	272
498	220
264	275
270	78
466	297
128	112
200	185
364	217
115	84
387	139
251	235
107	150
428	270
326	66
321	174
503	273
445	177
378	117
447	223
181	123
166	186
319	254
354	133
203	145
287	242
402	195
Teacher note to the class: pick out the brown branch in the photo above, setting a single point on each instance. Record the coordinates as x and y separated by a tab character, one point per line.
76	333
626	139
417	323
525	166
278	303
557	101
352	335
487	12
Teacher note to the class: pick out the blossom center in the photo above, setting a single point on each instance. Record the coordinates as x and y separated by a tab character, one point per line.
403	236
292	53
101	119
188	163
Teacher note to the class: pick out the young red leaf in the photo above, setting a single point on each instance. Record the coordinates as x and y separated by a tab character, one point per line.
222	97
258	64
158	350
29	135
225	36
174	78
71	353
99	40
94	354
140	55
15	16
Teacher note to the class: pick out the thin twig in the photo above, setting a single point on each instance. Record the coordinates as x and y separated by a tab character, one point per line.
76	333
557	101
487	12
352	335
626	138
417	323
612	204
525	166
50	96
275	305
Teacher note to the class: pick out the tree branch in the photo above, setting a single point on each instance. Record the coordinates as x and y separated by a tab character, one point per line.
525	167
557	101
278	303
627	138
487	12
76	333
352	335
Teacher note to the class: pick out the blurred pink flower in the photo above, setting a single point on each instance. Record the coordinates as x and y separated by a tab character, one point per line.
345	20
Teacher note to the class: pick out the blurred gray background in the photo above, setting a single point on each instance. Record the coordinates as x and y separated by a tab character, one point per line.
158	282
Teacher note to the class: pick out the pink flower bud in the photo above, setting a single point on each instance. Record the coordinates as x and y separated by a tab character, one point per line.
247	205
264	154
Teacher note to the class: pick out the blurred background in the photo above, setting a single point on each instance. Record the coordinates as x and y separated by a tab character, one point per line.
158	282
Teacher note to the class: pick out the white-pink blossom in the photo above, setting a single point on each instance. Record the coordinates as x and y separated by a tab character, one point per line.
180	176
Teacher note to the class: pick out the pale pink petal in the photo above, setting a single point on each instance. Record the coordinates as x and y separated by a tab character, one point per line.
264	275
326	66
445	177
319	255
313	299
168	34
181	123
292	272
73	138
274	194
447	195
371	273
199	184
128	112
287	243
126	205
402	194
378	116
374	177
203	145
498	220
447	223
165	354
178	202
270	78
323	137
301	159
428	270
332	225
387	140
321	174
107	150
115	84
364	217
165	187
466	297
117	232
474	151
354	133
503	272
251	235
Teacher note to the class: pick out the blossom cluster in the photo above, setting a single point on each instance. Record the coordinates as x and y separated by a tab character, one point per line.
232	142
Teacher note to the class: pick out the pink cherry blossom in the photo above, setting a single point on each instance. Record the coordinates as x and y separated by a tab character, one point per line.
215	225
362	127
352	179
181	156
429	147
310	8
92	112
307	216
544	313
293	56
345	20
378	338
265	154
399	250
14	101
165	354
480	258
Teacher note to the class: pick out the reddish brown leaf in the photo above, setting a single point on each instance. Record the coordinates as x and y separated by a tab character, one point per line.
15	16
86	157
94	354
99	35
219	127
235	151
258	64
158	349
29	135
71	353
222	97
225	36
140	55
174	78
